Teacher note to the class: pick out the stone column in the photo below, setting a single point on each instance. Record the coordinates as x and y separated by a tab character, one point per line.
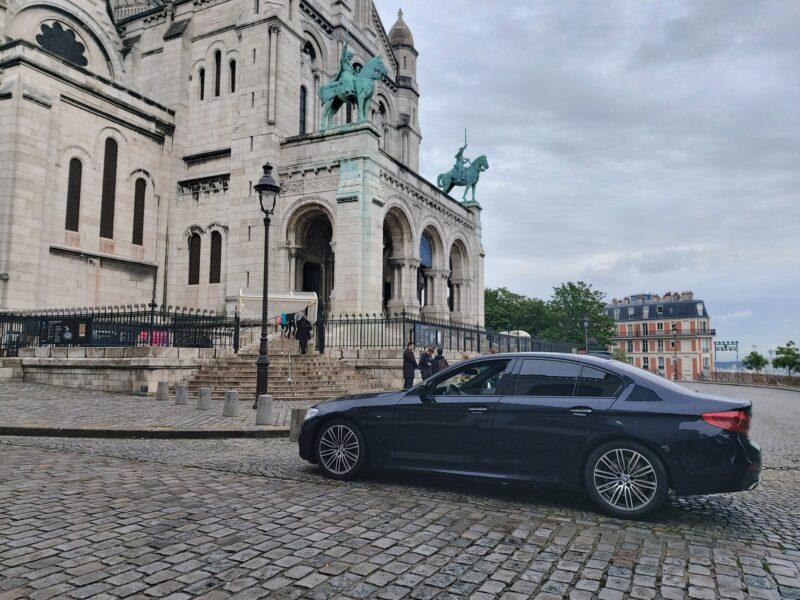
272	86
293	252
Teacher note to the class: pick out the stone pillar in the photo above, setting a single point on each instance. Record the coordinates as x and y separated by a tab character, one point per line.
437	293
294	253
272	76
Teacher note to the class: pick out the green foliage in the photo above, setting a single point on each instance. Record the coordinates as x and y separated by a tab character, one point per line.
619	354
754	361
507	311
787	357
560	319
571	302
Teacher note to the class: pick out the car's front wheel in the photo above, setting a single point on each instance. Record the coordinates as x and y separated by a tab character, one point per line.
341	451
626	480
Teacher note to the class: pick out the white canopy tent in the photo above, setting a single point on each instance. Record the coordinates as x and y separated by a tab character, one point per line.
248	304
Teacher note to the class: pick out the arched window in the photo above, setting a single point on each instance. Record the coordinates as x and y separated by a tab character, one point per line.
74	194
302	109
194	259
215	274
425	252
232	68
109	192
217	72
138	211
202	76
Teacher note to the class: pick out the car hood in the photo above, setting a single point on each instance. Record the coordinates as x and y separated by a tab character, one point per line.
361	396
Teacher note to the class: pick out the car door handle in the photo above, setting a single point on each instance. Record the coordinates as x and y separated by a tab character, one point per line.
581	411
478	409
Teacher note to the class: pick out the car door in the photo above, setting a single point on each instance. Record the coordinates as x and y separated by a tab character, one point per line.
541	426
448	425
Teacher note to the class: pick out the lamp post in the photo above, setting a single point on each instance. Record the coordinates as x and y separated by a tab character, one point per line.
586	333
674	352
268	190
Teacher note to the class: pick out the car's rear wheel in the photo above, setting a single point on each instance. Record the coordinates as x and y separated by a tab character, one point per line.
341	450
626	479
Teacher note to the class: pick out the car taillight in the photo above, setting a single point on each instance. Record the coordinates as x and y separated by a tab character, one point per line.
737	421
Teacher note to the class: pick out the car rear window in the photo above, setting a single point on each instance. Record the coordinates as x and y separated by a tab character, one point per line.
597	383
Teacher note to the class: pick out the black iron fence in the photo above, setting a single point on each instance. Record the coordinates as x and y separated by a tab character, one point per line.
131	325
378	331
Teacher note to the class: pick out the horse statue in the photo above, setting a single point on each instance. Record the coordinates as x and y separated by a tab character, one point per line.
356	88
466	176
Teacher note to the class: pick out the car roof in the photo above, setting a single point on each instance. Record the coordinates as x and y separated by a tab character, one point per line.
586	358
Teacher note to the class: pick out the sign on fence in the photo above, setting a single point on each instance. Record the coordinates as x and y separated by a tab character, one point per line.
66	332
427	335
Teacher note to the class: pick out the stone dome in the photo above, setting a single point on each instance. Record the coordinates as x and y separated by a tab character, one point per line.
400	34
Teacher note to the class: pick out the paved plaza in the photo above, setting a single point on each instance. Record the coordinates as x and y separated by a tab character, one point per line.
45	406
246	518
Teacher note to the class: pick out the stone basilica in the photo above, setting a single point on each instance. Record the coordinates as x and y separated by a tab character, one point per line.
132	133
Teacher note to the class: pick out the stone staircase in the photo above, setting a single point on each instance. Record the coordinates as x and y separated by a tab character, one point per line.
292	376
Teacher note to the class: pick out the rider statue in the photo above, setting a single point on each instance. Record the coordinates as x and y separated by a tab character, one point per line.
346	73
461	164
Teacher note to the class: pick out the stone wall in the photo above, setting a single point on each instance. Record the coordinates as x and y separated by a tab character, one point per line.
126	370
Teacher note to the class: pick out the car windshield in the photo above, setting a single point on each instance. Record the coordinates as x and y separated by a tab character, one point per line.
637	373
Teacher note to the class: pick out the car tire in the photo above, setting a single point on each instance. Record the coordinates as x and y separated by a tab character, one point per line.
626	479
341	450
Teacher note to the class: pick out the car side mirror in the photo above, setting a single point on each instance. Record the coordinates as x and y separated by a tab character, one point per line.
425	392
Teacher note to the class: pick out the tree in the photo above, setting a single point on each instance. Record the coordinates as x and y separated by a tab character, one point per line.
508	311
787	357
571	302
754	361
619	354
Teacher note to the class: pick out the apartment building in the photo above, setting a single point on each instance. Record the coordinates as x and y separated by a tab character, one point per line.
669	335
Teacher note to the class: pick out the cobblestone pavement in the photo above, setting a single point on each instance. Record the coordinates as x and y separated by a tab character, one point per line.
248	519
38	405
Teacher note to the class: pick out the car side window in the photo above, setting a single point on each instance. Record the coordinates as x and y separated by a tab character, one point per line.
597	383
481	379
540	377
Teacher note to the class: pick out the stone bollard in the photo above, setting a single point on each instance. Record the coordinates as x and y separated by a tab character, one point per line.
264	411
162	392
182	394
298	415
204	399
231	406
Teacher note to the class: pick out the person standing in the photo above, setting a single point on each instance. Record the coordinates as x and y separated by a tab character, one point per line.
439	362
291	325
426	363
303	332
409	366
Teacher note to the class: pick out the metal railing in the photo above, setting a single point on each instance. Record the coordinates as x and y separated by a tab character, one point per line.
125	326
378	331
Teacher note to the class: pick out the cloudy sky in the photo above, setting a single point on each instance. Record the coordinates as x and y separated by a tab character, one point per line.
638	146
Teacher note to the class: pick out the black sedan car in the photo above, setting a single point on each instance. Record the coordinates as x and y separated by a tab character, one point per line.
580	422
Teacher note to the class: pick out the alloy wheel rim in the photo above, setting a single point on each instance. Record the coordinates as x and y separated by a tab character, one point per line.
339	449
625	479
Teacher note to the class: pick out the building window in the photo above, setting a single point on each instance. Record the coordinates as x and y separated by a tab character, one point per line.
645	330
109	192
138	211
660	327
706	363
661	363
303	110
202	76
660	310
646	363
630	346
74	194
194	259
616	314
704	343
630	312
216	258
217	72
660	345
645	312
232	69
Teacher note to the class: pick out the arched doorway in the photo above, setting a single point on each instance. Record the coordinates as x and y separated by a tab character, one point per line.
396	287
309	240
431	275
458	282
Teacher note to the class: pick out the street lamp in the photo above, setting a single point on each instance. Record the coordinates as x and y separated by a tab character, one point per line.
674	352
268	190
586	332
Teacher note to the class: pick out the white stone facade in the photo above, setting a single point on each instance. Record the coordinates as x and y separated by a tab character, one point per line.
196	96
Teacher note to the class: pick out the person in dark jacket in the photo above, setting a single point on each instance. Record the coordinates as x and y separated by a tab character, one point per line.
439	362
409	366
426	363
303	333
